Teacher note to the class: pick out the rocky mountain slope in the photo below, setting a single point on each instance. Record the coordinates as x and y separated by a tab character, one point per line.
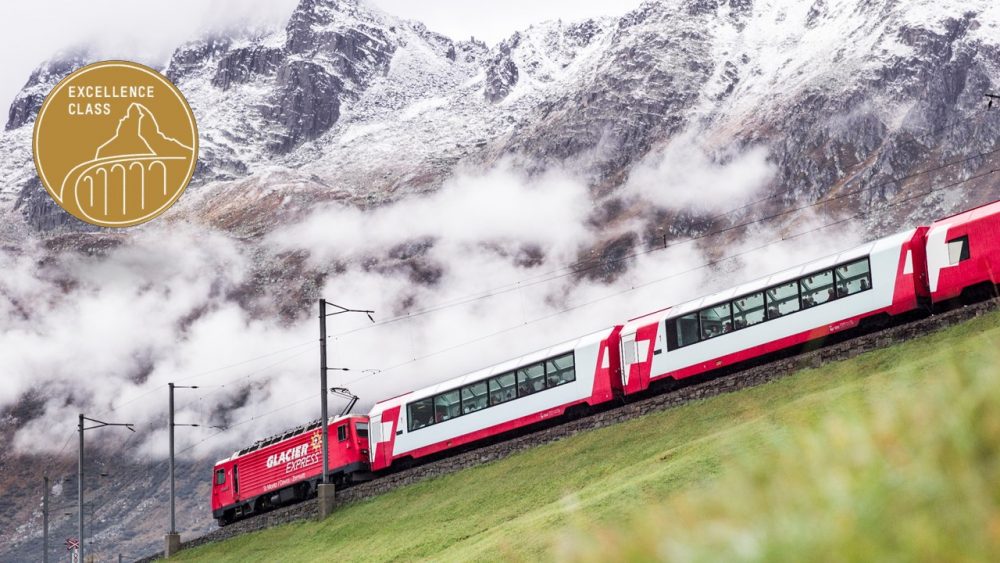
666	116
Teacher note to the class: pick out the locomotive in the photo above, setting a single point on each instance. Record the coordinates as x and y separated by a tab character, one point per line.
878	283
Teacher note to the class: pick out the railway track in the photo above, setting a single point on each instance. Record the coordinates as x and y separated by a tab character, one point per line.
735	381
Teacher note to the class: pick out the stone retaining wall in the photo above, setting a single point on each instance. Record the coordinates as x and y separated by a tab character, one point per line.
726	384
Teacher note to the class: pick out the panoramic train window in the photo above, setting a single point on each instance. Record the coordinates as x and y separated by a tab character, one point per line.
687	330
817	289
560	370
502	388
530	379
748	311
958	250
446	406
341	432
715	321
220	477
420	413
853	278
782	300
474	397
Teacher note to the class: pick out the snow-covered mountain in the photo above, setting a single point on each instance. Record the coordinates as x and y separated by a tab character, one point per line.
642	129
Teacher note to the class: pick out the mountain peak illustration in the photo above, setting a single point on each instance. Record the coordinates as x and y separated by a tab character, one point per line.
138	133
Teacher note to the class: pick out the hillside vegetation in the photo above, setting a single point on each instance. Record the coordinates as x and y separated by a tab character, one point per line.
893	455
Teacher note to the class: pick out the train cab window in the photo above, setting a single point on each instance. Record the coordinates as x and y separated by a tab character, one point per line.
362	429
715	321
817	289
220	477
958	250
748	311
502	388
446	406
854	277
341	432
474	397
530	379
420	413
687	330
782	299
559	371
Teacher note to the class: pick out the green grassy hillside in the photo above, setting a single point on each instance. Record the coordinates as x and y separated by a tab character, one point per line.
893	455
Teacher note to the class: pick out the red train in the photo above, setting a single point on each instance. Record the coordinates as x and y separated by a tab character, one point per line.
953	258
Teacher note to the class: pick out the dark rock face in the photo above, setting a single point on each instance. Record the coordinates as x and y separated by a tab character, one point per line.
242	65
29	101
501	71
307	105
192	56
43	213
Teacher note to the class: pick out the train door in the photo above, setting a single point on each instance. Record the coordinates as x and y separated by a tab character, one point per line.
630	357
374	436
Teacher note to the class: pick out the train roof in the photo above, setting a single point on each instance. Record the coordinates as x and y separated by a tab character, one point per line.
983	210
760	284
290	433
502	367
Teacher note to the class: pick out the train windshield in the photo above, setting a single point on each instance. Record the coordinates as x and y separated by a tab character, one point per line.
362	429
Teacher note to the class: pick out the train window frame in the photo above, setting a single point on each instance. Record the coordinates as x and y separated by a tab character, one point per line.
678	341
558	372
220	477
529	381
489	381
768	300
342	433
485	397
729	320
440	401
411	420
845	283
673	328
963	254
361	429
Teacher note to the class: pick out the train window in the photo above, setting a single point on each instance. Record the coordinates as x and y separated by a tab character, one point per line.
341	432
502	388
560	370
446	406
220	477
715	321
958	250
530	379
420	413
687	330
748	311
853	277
817	289
362	429
474	397
782	299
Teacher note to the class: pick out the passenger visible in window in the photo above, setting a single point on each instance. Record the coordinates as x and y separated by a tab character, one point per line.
841	290
807	302
864	284
727	327
829	294
772	313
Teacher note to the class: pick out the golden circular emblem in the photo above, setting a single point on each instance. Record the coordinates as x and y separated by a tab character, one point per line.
115	144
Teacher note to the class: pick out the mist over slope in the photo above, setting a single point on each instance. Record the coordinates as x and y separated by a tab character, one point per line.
485	200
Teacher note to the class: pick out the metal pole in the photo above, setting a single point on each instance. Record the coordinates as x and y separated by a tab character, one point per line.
45	521
79	495
322	389
173	528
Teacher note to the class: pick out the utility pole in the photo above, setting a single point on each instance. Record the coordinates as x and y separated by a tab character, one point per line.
325	492
45	521
173	539
79	500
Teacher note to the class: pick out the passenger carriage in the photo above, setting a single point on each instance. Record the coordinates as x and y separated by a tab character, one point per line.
790	308
963	254
499	399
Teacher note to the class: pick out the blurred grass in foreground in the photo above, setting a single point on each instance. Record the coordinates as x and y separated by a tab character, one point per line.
889	456
910	473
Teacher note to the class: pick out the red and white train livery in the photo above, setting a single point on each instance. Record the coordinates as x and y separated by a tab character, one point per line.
954	258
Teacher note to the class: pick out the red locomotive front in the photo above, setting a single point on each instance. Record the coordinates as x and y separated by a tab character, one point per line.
287	467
